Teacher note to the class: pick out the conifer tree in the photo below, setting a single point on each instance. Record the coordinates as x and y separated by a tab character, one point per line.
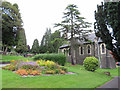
21	46
35	47
74	25
107	26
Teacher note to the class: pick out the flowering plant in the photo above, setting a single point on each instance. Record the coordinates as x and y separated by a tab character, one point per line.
28	72
29	65
45	63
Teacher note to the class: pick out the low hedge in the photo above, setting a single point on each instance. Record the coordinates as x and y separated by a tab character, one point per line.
58	58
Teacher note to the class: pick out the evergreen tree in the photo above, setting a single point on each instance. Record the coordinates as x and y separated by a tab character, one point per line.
21	46
74	25
11	23
51	42
35	46
107	26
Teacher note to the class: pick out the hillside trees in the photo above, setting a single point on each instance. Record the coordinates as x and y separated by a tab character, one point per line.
74	26
107	25
51	42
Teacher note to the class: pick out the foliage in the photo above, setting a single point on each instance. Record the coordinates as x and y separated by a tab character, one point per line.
108	24
21	46
58	58
35	46
51	42
74	25
91	63
11	23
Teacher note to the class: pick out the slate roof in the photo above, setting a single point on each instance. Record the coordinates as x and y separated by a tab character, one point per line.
64	46
90	37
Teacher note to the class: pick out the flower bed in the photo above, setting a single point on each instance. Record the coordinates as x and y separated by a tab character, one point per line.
40	67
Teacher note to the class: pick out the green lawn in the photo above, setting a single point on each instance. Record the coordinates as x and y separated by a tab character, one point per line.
83	79
13	57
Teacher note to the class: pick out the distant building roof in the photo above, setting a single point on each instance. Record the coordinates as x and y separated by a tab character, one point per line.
64	46
90	37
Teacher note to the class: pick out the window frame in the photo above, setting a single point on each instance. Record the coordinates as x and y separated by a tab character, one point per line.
90	49
101	48
80	50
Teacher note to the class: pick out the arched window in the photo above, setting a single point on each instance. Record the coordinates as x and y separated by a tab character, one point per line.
81	50
69	51
103	48
89	49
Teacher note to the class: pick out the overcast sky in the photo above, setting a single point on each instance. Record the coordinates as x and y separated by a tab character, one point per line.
38	15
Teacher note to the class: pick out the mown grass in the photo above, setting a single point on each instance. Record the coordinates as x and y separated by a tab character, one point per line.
83	79
13	57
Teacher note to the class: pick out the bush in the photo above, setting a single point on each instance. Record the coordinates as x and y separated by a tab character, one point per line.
58	58
91	63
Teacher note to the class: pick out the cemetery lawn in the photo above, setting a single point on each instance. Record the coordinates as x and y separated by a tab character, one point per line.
13	57
83	79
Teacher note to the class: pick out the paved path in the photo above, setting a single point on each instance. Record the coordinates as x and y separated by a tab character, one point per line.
113	84
1	65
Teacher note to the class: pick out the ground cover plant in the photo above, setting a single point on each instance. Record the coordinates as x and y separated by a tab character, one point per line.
83	79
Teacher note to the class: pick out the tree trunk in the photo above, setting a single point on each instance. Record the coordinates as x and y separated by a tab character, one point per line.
72	53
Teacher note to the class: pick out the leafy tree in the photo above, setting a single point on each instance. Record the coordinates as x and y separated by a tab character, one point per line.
51	42
35	47
45	42
107	26
74	25
56	43
11	23
21	46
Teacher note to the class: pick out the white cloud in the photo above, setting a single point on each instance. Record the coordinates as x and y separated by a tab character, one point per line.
37	15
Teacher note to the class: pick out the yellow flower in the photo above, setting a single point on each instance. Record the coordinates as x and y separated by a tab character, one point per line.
12	60
27	60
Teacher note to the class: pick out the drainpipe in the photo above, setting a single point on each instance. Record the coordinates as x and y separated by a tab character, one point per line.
99	53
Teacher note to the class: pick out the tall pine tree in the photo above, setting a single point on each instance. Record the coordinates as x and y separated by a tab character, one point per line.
21	46
74	25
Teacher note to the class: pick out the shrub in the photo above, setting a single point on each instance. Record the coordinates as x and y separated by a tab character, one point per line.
91	63
58	58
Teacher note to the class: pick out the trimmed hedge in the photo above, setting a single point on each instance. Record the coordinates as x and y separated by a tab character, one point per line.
58	58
